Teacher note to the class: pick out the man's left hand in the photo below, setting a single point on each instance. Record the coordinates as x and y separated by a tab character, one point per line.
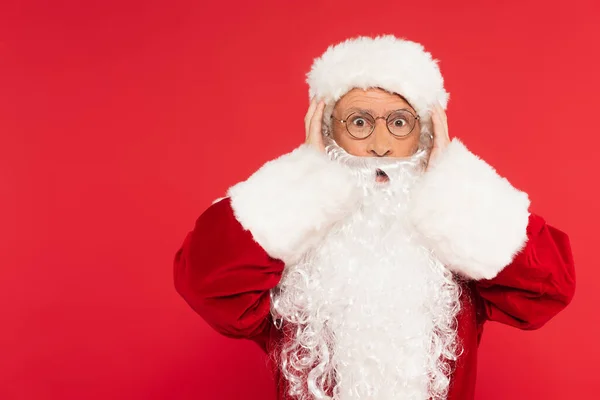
441	138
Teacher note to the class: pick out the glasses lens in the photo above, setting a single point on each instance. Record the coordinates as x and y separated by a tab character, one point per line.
360	125
401	123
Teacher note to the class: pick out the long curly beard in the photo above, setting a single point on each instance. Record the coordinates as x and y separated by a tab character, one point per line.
369	313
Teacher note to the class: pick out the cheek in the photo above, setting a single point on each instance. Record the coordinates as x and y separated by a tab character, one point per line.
353	147
406	147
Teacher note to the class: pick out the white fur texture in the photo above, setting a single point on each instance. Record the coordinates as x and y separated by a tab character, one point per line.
396	65
291	202
472	218
370	311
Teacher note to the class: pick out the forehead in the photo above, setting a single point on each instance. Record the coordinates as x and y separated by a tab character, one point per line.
374	99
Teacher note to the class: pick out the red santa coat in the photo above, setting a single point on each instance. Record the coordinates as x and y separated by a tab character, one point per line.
239	247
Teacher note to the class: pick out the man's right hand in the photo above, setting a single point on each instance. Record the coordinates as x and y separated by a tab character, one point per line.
313	124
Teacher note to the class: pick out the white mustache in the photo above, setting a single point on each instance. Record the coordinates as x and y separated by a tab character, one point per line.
368	166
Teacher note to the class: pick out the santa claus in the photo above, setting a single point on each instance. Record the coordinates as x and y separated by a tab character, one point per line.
366	261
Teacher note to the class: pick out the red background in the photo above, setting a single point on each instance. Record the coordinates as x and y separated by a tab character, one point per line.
121	121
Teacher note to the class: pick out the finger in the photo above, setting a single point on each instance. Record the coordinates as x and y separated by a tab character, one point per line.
437	126
309	114
440	125
445	121
444	118
316	121
317	118
311	110
442	112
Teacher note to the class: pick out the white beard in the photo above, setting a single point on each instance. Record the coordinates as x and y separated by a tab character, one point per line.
372	312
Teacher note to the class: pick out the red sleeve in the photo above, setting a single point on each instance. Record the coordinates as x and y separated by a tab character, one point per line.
225	276
538	283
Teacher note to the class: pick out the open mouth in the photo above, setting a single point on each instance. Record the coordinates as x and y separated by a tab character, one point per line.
381	176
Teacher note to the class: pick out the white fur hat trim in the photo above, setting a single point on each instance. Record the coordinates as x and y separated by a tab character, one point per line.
387	62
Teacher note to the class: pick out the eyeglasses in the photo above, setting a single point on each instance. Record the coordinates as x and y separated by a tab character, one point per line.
360	125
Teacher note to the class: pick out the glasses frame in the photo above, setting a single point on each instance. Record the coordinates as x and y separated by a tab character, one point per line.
387	125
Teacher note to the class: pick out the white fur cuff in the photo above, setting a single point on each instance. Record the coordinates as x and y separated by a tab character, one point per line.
290	202
472	218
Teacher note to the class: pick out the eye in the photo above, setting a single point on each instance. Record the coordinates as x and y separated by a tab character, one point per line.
399	122
359	125
359	121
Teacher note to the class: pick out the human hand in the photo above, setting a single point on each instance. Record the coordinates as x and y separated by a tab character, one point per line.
441	138
313	124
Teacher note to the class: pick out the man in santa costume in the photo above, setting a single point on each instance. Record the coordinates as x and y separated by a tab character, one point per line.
366	261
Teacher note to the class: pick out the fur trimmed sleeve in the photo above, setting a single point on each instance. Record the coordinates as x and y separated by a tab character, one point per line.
290	203
225	276
472	218
538	283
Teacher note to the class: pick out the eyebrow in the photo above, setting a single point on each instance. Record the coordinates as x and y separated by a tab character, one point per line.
359	110
352	110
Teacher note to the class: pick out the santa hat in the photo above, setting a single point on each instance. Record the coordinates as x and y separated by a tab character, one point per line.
387	62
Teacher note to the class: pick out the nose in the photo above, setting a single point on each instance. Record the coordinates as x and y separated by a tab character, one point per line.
380	141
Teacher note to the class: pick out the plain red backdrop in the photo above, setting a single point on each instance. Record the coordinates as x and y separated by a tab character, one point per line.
121	121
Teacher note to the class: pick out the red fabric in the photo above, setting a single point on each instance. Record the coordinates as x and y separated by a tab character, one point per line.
225	276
